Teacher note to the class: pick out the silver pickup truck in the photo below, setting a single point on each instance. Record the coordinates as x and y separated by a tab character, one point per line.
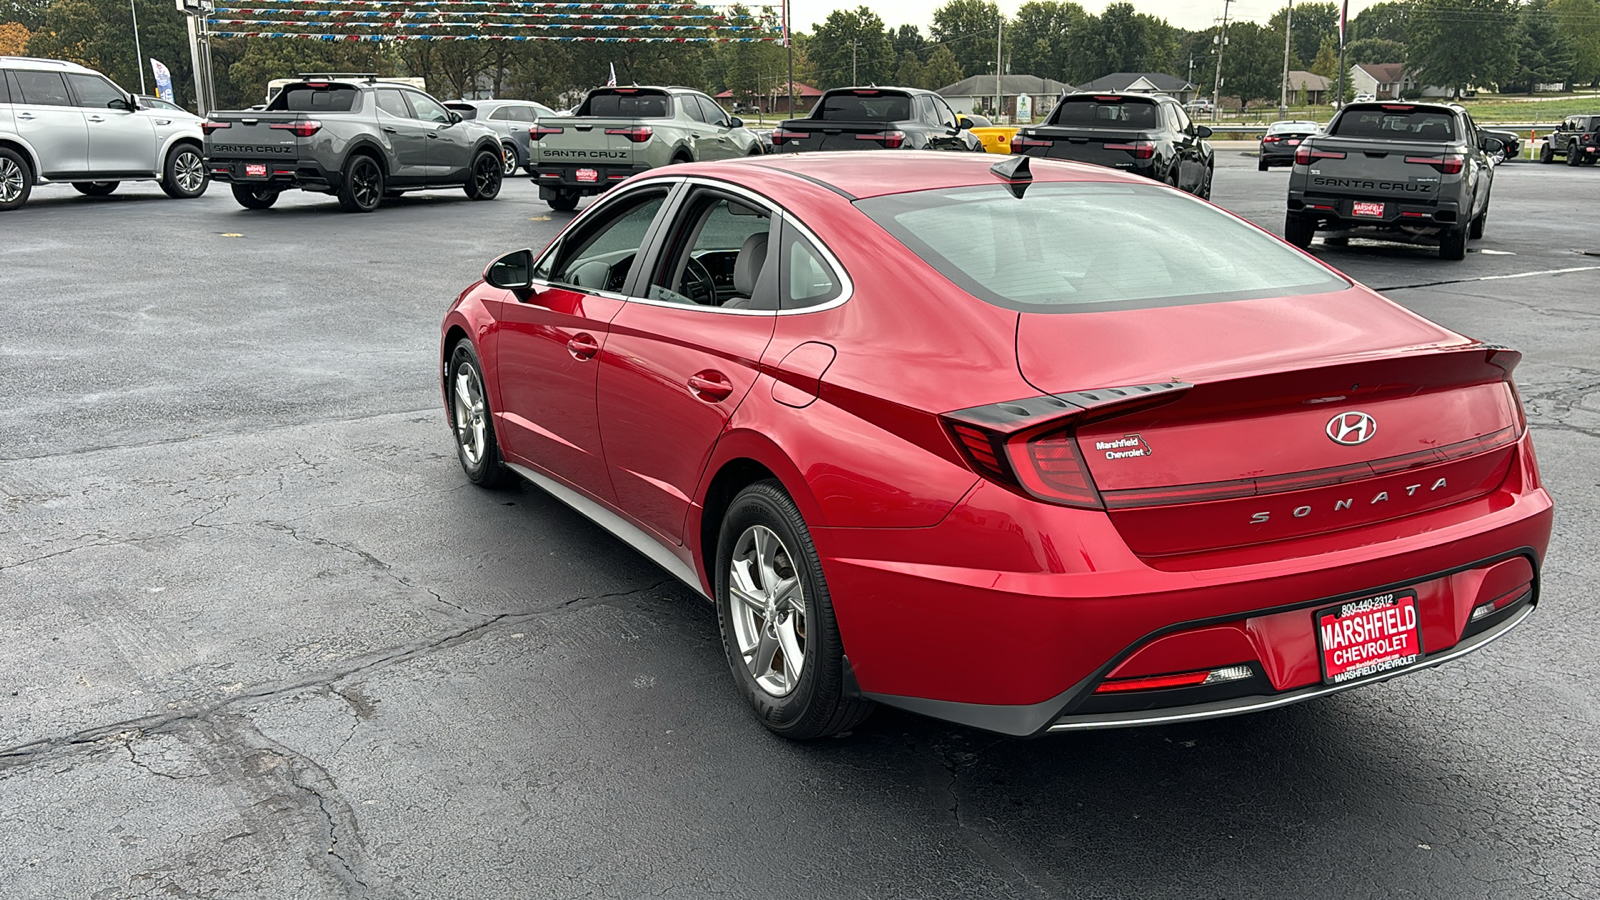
361	141
621	131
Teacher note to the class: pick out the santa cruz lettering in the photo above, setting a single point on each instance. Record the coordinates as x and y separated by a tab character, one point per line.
1348	503
1407	187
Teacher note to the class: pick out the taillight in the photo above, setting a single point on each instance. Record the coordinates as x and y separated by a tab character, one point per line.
780	137
1304	155
1140	149
1021	142
1051	467
889	139
638	133
1271	139
298	129
539	132
209	126
1450	164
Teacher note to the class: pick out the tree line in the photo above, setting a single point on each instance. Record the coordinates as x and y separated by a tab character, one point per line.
1511	45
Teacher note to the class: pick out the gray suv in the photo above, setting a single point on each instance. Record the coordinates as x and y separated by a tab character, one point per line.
60	122
511	119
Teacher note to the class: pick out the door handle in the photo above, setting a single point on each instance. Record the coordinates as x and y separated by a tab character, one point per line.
96	119
710	386
388	130
24	115
433	134
583	347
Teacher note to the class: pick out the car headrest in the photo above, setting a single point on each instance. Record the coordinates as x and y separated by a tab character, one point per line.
748	264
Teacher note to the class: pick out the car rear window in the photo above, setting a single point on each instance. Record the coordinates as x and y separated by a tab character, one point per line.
1396	123
315	98
858	106
1297	127
1089	247
1095	112
627	105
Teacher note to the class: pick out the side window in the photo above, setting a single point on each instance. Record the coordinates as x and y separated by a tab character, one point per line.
691	108
1181	118
41	88
807	279
5	87
93	91
599	256
717	255
713	112
519	113
428	109
393	102
947	116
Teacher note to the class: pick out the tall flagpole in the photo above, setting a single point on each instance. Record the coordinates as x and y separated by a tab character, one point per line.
1288	25
1344	13
788	43
137	52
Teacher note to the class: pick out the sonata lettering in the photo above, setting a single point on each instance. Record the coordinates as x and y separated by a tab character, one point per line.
1300	512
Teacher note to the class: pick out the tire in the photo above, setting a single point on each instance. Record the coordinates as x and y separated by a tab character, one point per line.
1453	244
184	176
1205	187
564	200
1261	165
16	179
1573	157
253	197
467	403
1475	228
1547	154
1298	231
508	154
95	188
485	177
765	554
361	185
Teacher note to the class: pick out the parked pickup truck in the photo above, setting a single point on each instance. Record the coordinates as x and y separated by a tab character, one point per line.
1146	134
1577	141
874	118
361	141
1406	171
620	131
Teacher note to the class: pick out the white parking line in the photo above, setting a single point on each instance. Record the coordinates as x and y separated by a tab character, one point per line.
1404	287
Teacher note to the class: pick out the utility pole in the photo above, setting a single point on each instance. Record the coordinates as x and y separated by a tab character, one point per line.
138	54
788	44
999	92
853	44
1222	41
1344	12
1288	25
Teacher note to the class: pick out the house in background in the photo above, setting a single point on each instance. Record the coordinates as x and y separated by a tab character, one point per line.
976	95
1143	83
773	102
1384	81
1307	89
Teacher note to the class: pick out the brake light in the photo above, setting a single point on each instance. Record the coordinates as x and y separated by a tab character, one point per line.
779	138
538	132
1271	139
1304	155
298	129
637	134
1450	164
1051	468
1398	107
209	126
1140	149
1021	142
317	84
1108	99
889	139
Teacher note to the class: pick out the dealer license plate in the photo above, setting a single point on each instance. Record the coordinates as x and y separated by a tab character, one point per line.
253	170
1370	210
1294	143
1365	637
587	175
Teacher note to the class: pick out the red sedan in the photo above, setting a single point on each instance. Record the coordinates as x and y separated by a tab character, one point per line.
1030	446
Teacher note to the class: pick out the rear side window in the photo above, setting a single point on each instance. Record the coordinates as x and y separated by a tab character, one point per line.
857	106
1087	247
1397	123
5	87
41	88
639	105
392	102
807	279
316	98
1093	112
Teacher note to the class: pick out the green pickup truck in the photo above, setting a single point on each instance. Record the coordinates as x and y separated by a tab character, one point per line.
621	131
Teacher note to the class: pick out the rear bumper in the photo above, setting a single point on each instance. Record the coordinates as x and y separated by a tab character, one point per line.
1330	210
1009	614
565	176
281	174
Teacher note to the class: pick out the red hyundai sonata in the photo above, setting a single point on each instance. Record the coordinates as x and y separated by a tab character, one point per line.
1031	446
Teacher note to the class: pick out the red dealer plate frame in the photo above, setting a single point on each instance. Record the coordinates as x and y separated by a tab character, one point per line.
1385	631
255	170
1367	210
587	176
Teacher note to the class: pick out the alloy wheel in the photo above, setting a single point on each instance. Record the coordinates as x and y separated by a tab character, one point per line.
364	183
10	180
468	410
487	177
509	166
189	170
768	609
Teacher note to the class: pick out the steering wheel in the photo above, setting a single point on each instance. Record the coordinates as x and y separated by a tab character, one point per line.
617	277
698	284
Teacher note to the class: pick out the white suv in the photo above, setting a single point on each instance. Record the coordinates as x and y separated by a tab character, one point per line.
62	122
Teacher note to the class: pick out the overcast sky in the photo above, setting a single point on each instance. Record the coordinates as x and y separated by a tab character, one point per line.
1191	14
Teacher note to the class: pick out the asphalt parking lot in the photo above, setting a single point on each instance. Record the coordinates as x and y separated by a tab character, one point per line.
263	640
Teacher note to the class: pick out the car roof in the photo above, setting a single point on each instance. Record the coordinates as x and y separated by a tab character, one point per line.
875	173
29	62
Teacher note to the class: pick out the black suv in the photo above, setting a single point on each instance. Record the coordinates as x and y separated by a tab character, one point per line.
1147	134
875	118
1578	140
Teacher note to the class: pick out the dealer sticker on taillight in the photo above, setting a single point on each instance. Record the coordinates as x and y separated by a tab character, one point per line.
1370	210
1366	637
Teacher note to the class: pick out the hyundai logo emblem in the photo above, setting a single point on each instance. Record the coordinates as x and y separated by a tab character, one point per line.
1352	428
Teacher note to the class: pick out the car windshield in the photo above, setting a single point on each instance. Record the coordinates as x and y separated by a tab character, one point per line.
1396	123
1091	246
1094	112
627	105
856	106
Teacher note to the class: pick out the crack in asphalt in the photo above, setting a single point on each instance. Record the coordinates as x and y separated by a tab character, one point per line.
978	836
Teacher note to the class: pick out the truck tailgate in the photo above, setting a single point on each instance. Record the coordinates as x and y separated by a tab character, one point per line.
586	140
812	134
256	135
1360	167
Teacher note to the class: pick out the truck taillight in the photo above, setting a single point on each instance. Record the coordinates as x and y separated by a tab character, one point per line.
1304	155
209	126
638	134
781	137
892	140
1021	142
538	132
299	129
1449	164
1140	149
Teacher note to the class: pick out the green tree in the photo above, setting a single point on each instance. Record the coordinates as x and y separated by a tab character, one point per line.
1040	36
1543	54
1389	21
99	34
941	69
1311	23
1575	23
908	39
858	32
969	28
1326	64
1252	66
1373	50
1462	43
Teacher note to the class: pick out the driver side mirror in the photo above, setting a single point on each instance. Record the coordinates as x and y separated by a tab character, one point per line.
735	122
454	117
1202	132
512	272
1491	144
963	123
126	104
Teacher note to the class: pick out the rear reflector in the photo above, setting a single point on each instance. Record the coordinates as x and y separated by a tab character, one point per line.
1180	680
